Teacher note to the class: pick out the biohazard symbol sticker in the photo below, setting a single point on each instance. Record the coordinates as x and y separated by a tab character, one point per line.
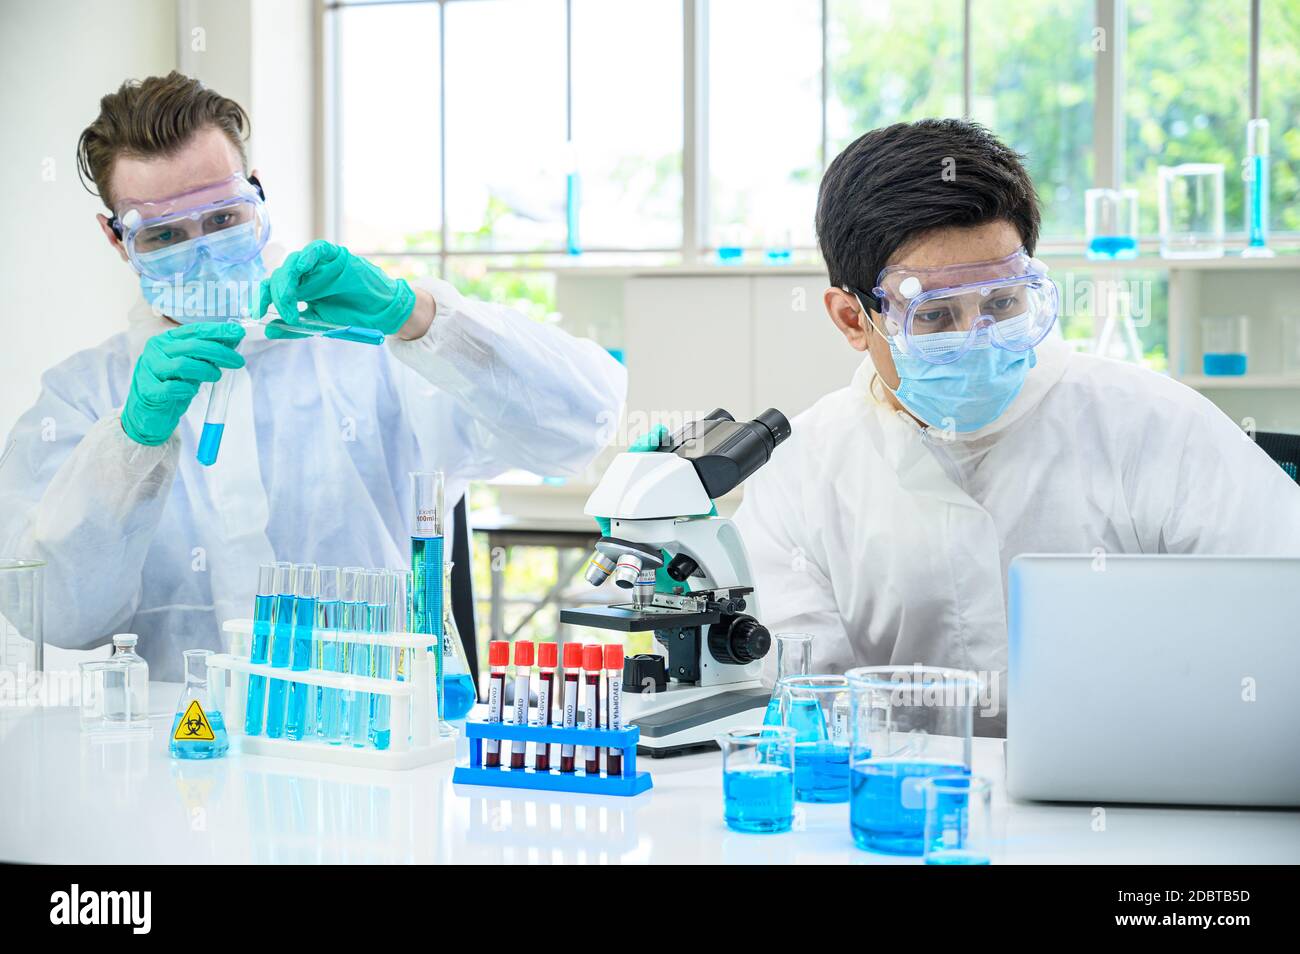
194	726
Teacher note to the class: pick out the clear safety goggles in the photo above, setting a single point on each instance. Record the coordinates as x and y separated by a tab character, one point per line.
225	222
939	314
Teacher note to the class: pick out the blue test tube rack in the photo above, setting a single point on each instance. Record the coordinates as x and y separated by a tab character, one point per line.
631	782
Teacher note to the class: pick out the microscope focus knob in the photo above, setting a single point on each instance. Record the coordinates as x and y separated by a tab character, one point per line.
681	568
739	641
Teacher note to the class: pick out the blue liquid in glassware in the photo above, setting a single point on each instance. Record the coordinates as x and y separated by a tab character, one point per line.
426	605
380	704
459	696
327	660
1113	246
361	701
281	645
730	254
821	772
887	804
262	608
759	798
210	443
956	857
297	724
1257	201
1223	364
200	748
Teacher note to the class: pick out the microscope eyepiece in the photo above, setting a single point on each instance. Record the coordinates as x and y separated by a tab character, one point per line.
724	451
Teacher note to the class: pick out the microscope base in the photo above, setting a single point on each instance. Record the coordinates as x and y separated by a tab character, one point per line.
687	718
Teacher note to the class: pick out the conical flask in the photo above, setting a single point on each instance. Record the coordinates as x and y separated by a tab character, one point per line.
198	731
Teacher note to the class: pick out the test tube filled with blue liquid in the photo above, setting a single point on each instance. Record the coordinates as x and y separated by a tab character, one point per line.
263	619
214	421
379	601
352	582
307	592
326	646
1256	176
907	724
281	649
426	570
363	660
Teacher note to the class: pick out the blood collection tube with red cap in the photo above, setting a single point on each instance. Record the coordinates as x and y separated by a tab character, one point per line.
498	659
572	665
547	656
591	660
523	688
613	705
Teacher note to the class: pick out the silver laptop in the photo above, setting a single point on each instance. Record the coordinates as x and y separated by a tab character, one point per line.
1171	679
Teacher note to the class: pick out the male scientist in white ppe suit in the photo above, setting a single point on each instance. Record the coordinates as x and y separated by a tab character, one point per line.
100	477
972	432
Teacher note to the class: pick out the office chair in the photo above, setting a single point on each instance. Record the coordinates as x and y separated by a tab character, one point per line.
1283	448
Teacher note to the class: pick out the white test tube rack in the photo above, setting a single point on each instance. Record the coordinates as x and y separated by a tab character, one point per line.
413	711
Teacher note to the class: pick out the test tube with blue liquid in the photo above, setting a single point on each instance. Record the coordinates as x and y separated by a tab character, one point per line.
214	421
363	659
353	613
793	658
263	619
907	724
327	646
306	592
281	648
758	778
427	502
380	603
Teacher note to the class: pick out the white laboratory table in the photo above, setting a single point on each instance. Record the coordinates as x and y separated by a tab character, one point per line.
71	798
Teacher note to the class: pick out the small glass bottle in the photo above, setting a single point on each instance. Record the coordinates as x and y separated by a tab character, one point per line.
793	658
134	698
199	731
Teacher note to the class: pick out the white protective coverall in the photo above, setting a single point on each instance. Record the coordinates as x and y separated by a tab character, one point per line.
319	440
891	544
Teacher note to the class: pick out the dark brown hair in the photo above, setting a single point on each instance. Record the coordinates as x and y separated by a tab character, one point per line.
155	116
887	189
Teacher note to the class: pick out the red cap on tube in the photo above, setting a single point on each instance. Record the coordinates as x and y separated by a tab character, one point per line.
498	653
548	654
614	657
573	655
591	656
523	652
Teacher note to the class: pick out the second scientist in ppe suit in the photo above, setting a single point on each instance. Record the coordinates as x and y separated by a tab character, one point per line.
972	433
100	480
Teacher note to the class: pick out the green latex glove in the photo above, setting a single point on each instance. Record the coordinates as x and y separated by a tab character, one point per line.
644	444
169	372
339	288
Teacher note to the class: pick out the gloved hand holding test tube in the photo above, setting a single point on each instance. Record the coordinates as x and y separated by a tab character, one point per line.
214	422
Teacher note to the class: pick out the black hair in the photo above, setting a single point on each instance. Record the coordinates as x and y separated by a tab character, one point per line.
894	184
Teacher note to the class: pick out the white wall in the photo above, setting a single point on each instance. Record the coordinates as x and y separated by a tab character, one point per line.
65	289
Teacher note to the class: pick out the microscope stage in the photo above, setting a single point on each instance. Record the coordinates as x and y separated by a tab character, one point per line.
629	619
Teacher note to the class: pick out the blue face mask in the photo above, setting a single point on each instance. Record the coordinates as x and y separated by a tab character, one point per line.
965	395
207	284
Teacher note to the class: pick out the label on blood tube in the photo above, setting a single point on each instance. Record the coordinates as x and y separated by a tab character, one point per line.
496	683
591	659
572	673
614	687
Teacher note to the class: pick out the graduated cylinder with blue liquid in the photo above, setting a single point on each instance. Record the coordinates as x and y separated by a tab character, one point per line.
427	556
907	724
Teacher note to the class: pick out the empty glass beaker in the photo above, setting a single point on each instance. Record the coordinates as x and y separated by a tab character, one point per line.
199	731
793	658
1111	222
758	778
906	724
1224	344
1191	210
817	708
958	820
22	633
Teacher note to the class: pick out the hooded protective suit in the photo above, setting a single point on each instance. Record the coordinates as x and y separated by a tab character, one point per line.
890	543
320	437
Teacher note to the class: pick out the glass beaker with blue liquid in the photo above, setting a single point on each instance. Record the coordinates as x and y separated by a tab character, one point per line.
958	820
198	731
817	709
1111	223
793	658
758	778
907	724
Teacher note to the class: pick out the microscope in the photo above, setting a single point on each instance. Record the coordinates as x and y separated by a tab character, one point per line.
706	679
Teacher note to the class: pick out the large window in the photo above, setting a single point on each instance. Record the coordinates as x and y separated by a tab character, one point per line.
489	134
